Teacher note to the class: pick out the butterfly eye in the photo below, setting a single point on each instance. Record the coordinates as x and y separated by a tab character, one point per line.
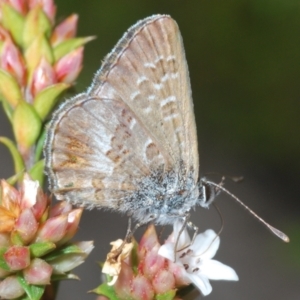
207	193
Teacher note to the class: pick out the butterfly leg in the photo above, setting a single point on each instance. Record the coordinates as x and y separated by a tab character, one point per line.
195	228
186	223
140	224
129	233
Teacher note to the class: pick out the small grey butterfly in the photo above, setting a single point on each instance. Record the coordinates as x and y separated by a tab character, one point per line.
129	142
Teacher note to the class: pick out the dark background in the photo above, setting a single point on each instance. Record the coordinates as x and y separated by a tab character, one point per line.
244	65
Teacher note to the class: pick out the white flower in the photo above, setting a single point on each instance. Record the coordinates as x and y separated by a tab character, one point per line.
195	261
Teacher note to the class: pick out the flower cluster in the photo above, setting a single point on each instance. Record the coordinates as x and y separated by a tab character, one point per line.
38	61
152	271
34	240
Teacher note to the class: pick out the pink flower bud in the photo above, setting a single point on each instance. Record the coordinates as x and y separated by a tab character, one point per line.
72	227
43	77
38	272
122	286
19	5
163	282
10	288
26	225
42	202
151	264
69	66
12	61
53	229
47	5
149	241
141	288
62	207
65	30
17	257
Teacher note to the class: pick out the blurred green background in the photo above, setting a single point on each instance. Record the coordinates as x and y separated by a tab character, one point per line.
244	63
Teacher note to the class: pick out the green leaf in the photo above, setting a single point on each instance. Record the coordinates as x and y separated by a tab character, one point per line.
26	125
36	23
41	249
3	264
37	172
16	239
169	295
34	292
134	257
17	177
9	89
68	249
71	44
13	21
106	290
47	98
18	161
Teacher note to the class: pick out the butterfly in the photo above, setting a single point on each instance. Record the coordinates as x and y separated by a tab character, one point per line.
129	143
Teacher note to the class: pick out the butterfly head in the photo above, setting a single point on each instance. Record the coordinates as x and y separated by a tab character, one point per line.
207	193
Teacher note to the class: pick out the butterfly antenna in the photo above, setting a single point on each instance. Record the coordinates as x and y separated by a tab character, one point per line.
234	178
275	231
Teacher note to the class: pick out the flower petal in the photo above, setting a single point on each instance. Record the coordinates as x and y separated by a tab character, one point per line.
184	238
206	244
215	270
201	282
167	251
30	188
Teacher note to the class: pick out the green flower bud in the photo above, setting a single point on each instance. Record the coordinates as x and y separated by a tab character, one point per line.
36	23
26	125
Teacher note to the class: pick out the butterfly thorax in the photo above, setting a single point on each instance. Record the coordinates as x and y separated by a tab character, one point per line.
162	197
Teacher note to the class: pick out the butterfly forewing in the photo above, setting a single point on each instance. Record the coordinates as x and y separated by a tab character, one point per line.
137	118
150	74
